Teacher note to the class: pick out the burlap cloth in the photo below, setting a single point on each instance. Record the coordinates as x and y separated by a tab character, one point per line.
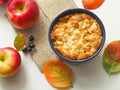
49	9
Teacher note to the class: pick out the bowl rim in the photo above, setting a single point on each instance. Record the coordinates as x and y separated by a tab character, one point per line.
77	10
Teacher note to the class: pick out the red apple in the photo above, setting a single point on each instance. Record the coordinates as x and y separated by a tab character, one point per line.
3	1
23	14
10	61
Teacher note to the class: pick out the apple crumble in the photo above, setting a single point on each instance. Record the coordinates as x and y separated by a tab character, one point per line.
76	36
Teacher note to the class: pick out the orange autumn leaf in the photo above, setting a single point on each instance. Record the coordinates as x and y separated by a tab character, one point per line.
58	74
92	4
111	57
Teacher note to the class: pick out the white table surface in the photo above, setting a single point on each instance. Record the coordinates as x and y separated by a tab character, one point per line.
88	76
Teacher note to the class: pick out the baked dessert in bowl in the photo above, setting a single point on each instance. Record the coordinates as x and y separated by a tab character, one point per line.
76	35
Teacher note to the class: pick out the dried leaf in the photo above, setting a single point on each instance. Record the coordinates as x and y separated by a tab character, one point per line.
19	41
58	74
92	4
111	57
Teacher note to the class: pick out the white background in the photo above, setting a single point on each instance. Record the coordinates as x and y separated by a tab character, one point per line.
88	76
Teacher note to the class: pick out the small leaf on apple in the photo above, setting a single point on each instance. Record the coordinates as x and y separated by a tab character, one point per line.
111	57
20	41
58	74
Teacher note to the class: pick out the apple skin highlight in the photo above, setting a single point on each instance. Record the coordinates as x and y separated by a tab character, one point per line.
23	14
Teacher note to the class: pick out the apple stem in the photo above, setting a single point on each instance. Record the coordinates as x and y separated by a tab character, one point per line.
2	58
21	8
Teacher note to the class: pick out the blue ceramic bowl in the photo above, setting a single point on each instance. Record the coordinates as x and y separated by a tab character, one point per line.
76	10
